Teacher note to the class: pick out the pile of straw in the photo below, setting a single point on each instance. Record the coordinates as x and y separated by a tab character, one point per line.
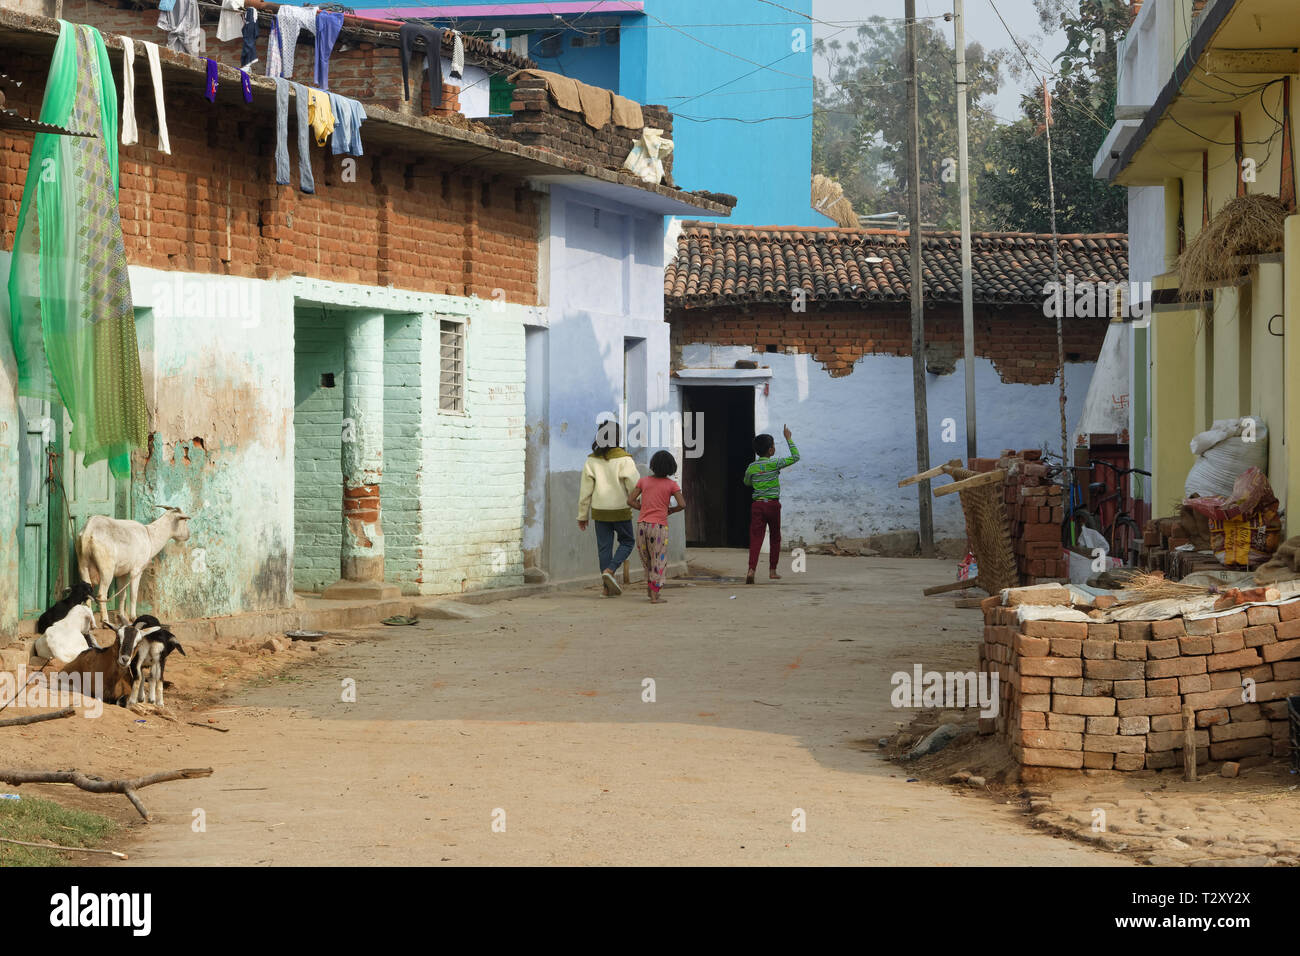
1142	586
1246	226
828	199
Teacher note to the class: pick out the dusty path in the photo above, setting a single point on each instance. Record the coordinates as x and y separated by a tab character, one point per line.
766	703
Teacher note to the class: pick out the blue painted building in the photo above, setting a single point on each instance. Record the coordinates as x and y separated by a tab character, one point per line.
737	75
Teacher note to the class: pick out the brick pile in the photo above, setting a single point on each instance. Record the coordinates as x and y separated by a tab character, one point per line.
538	121
1109	696
1035	511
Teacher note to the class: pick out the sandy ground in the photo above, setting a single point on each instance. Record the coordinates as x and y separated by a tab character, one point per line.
768	700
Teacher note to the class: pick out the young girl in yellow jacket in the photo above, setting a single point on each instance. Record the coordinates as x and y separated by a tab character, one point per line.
608	476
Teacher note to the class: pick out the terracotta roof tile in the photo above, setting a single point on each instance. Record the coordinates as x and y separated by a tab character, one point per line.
718	263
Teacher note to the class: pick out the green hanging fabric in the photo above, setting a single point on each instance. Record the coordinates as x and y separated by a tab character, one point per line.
73	323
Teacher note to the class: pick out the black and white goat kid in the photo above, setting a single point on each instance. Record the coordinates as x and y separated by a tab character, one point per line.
147	644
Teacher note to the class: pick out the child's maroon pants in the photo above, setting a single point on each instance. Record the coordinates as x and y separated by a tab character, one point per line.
765	513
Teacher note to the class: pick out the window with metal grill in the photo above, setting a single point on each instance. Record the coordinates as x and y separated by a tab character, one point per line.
451	377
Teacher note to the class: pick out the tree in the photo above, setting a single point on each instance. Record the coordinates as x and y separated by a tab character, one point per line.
1013	179
861	118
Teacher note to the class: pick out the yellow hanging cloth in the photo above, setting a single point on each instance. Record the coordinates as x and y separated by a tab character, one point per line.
320	115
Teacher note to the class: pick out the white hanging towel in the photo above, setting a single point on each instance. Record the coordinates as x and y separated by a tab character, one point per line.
230	26
457	56
130	133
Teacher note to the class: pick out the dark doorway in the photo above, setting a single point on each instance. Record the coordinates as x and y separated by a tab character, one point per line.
717	501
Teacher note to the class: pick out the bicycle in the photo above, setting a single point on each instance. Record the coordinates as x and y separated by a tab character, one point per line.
1124	536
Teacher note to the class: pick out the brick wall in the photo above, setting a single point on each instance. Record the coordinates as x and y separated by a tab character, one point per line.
318	469
389	218
1021	344
1109	696
537	120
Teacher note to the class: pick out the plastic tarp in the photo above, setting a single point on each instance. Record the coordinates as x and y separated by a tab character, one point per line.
646	160
72	319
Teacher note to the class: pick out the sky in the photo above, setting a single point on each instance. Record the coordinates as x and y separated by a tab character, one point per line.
982	26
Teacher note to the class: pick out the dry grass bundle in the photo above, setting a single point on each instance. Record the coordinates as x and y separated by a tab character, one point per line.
828	199
1246	226
1144	586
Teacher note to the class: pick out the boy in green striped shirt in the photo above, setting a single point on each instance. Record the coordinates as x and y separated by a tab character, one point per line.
764	476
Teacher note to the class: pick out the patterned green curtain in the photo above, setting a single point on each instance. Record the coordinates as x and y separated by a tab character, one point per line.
73	323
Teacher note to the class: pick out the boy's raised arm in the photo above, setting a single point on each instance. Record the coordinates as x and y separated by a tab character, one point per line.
794	452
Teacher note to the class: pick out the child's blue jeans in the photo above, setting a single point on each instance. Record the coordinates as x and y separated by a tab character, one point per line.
605	532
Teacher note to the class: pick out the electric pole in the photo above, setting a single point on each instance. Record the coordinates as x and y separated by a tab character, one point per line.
967	294
918	313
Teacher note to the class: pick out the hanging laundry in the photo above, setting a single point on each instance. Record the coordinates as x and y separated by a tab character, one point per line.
248	55
130	133
320	115
328	26
230	25
348	117
457	57
432	37
246	84
72	318
166	5
288	23
306	182
184	32
210	90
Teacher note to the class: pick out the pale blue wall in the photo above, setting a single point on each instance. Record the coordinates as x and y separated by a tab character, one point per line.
606	286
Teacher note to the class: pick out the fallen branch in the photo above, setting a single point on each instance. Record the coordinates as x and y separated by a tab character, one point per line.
37	718
195	723
70	849
93	784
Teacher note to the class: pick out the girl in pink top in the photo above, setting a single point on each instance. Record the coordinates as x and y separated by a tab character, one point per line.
653	495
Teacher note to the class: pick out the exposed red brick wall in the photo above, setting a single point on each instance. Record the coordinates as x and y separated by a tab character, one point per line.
536	120
363	72
213	205
1021	344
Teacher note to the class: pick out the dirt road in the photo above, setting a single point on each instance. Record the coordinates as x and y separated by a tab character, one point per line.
768	700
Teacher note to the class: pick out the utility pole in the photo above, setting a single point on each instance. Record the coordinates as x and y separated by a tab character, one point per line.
918	313
967	294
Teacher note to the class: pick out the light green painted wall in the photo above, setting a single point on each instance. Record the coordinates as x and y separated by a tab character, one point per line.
317	422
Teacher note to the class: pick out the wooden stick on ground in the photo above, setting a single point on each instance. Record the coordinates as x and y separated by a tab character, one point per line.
93	784
1189	744
37	718
195	723
71	849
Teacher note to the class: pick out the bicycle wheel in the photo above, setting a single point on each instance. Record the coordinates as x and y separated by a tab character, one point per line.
1126	540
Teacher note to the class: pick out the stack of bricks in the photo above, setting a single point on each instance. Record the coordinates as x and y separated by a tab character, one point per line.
1110	696
537	120
1035	510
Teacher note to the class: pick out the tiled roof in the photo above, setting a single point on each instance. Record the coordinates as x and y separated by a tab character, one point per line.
717	264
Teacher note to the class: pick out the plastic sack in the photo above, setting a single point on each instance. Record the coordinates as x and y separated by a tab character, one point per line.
646	160
1228	448
1245	528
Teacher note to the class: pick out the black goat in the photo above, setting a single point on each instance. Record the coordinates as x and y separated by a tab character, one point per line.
79	593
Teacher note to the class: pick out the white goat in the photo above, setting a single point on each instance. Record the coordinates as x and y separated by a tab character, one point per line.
65	639
109	548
